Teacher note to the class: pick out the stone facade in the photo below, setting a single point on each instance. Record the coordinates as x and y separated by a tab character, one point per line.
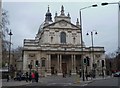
57	48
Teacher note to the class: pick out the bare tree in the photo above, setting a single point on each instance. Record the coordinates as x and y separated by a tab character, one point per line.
5	21
17	57
4	24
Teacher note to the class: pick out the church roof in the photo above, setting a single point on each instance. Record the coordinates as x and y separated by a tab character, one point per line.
58	22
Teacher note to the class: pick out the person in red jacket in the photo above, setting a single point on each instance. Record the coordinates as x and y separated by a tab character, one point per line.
33	76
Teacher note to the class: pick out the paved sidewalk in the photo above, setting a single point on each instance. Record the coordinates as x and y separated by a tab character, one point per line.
14	83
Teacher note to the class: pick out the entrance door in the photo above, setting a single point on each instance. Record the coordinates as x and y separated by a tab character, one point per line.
64	68
52	70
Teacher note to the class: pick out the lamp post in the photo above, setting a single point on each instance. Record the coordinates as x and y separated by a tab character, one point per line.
94	65
118	3
10	34
80	13
103	4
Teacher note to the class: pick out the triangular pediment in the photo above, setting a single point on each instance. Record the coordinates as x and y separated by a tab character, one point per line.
62	24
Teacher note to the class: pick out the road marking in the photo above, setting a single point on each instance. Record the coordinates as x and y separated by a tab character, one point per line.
64	84
84	84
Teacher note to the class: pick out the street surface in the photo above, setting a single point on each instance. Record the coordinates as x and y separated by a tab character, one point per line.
106	82
68	81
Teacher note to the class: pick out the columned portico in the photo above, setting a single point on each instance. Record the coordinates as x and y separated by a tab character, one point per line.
59	63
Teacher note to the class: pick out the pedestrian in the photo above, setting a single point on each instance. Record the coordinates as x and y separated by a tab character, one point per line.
20	74
30	77
86	75
90	75
8	78
63	74
55	72
36	76
79	74
102	74
33	76
69	73
26	76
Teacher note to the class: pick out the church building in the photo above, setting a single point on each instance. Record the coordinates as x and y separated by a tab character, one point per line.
57	49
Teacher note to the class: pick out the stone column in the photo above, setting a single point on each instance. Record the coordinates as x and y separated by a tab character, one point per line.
49	64
58	61
74	60
60	64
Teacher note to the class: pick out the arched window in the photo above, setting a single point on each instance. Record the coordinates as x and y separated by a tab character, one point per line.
103	64
63	37
51	39
74	40
43	63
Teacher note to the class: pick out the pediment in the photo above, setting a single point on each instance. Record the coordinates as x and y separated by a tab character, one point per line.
62	24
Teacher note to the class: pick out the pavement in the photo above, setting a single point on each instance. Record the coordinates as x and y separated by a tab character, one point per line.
53	81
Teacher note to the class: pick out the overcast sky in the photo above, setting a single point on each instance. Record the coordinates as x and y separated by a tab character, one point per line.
26	17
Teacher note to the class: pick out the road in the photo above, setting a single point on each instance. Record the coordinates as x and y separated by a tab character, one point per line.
59	81
68	81
115	81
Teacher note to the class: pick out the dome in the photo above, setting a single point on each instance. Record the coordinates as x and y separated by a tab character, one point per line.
48	14
41	27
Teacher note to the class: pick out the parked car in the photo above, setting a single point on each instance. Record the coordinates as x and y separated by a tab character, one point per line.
117	74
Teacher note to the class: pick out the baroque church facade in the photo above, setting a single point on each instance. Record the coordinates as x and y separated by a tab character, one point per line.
56	48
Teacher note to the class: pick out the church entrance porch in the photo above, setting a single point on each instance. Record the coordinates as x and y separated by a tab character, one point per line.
65	63
64	68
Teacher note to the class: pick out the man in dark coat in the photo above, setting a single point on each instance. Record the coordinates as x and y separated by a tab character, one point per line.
27	76
36	76
30	78
8	78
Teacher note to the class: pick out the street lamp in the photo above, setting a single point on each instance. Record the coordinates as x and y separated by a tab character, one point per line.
94	65
82	38
118	3
10	34
103	4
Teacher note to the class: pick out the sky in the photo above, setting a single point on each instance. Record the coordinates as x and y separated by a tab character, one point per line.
26	17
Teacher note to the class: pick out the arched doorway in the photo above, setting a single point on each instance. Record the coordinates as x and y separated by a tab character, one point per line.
64	68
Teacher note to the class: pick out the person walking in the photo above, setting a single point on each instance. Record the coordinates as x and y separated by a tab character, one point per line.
30	77
8	78
19	75
26	76
69	73
33	76
36	76
86	75
63	74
